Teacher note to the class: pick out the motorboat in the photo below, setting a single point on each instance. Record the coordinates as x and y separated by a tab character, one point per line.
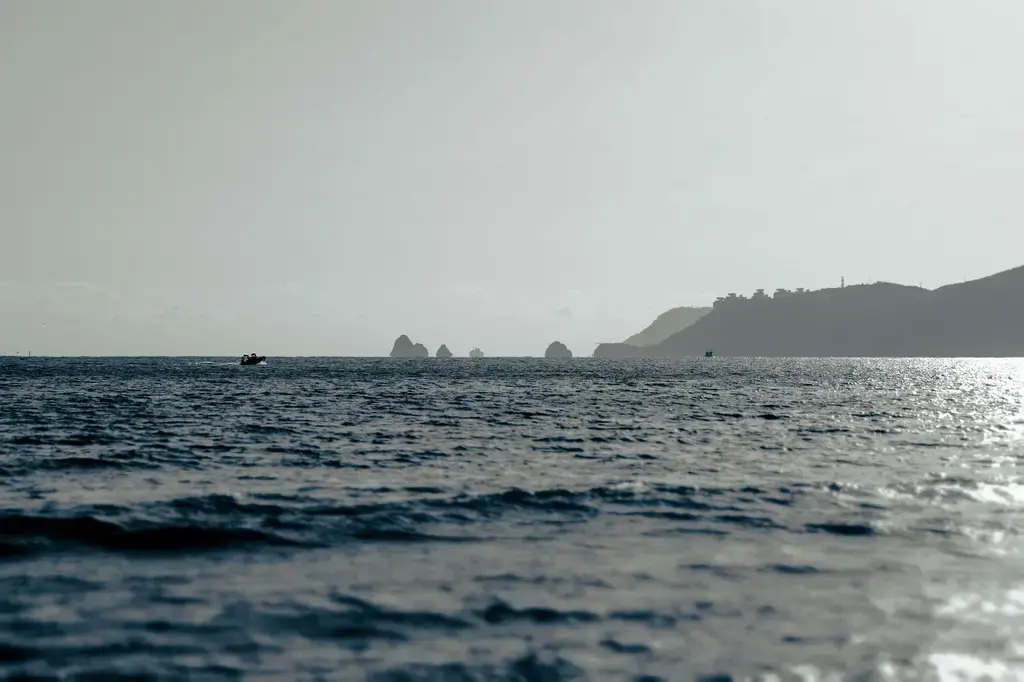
253	359
709	353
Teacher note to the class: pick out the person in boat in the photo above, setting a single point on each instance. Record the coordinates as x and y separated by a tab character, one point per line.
244	358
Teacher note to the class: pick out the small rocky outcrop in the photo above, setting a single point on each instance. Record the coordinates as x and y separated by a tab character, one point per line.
557	349
443	352
405	348
476	353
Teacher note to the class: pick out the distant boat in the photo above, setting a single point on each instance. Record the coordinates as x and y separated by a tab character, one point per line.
476	353
253	359
709	353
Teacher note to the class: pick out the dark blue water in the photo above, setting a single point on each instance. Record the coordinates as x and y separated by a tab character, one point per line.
510	520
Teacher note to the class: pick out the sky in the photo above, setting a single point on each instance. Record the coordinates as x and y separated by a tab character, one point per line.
213	177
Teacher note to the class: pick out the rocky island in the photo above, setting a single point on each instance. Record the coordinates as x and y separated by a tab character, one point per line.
557	349
443	352
978	318
405	348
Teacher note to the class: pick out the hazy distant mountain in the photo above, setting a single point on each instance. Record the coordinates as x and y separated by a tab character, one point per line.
667	324
980	318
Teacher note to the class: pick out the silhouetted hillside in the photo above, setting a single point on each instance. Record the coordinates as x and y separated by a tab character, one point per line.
667	324
622	350
981	318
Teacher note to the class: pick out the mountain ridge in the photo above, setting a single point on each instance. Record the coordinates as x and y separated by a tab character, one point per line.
667	324
978	318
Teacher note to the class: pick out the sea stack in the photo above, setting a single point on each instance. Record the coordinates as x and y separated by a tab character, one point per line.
476	353
443	352
405	348
557	349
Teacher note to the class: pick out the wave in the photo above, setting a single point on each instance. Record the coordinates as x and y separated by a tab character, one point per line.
531	666
22	535
501	612
842	528
213	522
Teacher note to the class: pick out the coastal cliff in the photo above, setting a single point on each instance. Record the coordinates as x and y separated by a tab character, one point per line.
980	318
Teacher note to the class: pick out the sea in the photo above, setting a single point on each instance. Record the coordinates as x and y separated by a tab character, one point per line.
512	520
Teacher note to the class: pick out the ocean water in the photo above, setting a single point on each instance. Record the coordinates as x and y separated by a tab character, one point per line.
513	520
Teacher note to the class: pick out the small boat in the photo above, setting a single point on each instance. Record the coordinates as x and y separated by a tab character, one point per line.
709	353
253	359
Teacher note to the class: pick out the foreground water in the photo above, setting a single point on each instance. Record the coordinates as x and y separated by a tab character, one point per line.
511	519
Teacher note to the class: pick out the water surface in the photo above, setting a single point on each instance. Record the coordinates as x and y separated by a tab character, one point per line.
499	519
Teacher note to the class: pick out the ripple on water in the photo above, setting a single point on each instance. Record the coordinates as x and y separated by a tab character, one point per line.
509	519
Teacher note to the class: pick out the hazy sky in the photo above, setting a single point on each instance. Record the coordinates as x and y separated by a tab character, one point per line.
295	177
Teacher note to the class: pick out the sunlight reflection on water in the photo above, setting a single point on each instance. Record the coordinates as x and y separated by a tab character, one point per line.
765	519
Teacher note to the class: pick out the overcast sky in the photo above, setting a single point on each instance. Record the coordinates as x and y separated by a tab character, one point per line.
298	177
